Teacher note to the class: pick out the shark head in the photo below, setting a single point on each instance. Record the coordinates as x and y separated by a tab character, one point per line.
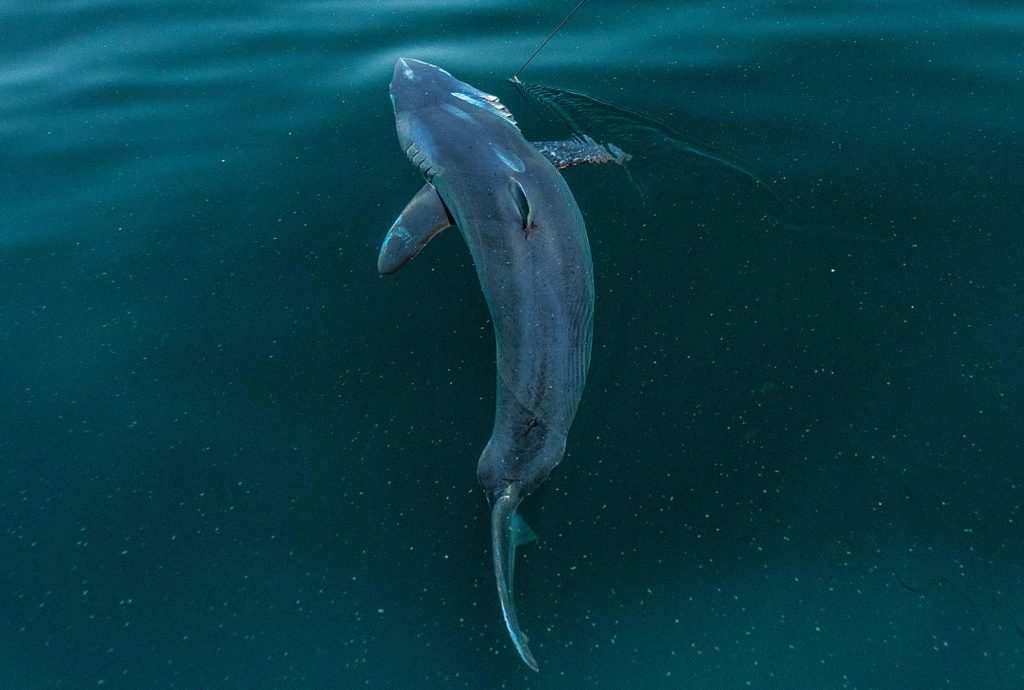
433	110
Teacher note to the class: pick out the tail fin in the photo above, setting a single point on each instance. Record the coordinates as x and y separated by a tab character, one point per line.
503	539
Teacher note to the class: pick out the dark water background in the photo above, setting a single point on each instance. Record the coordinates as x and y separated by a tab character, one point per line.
233	456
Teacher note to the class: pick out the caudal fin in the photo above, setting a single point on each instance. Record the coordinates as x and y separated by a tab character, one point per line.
503	539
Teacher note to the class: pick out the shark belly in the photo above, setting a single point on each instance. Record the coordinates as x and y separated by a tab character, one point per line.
539	288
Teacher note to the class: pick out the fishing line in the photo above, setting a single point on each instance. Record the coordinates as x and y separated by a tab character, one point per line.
515	77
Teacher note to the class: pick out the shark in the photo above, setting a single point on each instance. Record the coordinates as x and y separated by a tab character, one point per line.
529	245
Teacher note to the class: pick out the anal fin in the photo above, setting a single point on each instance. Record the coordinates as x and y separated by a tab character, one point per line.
424	216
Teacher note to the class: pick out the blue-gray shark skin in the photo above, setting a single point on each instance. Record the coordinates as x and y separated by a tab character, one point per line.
530	248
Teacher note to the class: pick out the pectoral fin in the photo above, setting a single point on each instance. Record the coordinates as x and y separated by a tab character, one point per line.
580	151
423	217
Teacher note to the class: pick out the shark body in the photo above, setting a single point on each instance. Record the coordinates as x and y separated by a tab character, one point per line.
529	245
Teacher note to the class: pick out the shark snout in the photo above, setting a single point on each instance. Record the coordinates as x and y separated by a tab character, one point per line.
408	69
411	70
404	69
417	85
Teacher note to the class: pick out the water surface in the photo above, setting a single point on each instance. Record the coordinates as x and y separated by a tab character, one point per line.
233	456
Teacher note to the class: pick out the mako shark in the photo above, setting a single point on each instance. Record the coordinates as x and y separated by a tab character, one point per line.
530	249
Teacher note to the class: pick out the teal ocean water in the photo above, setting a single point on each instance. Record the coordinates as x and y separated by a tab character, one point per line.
232	455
